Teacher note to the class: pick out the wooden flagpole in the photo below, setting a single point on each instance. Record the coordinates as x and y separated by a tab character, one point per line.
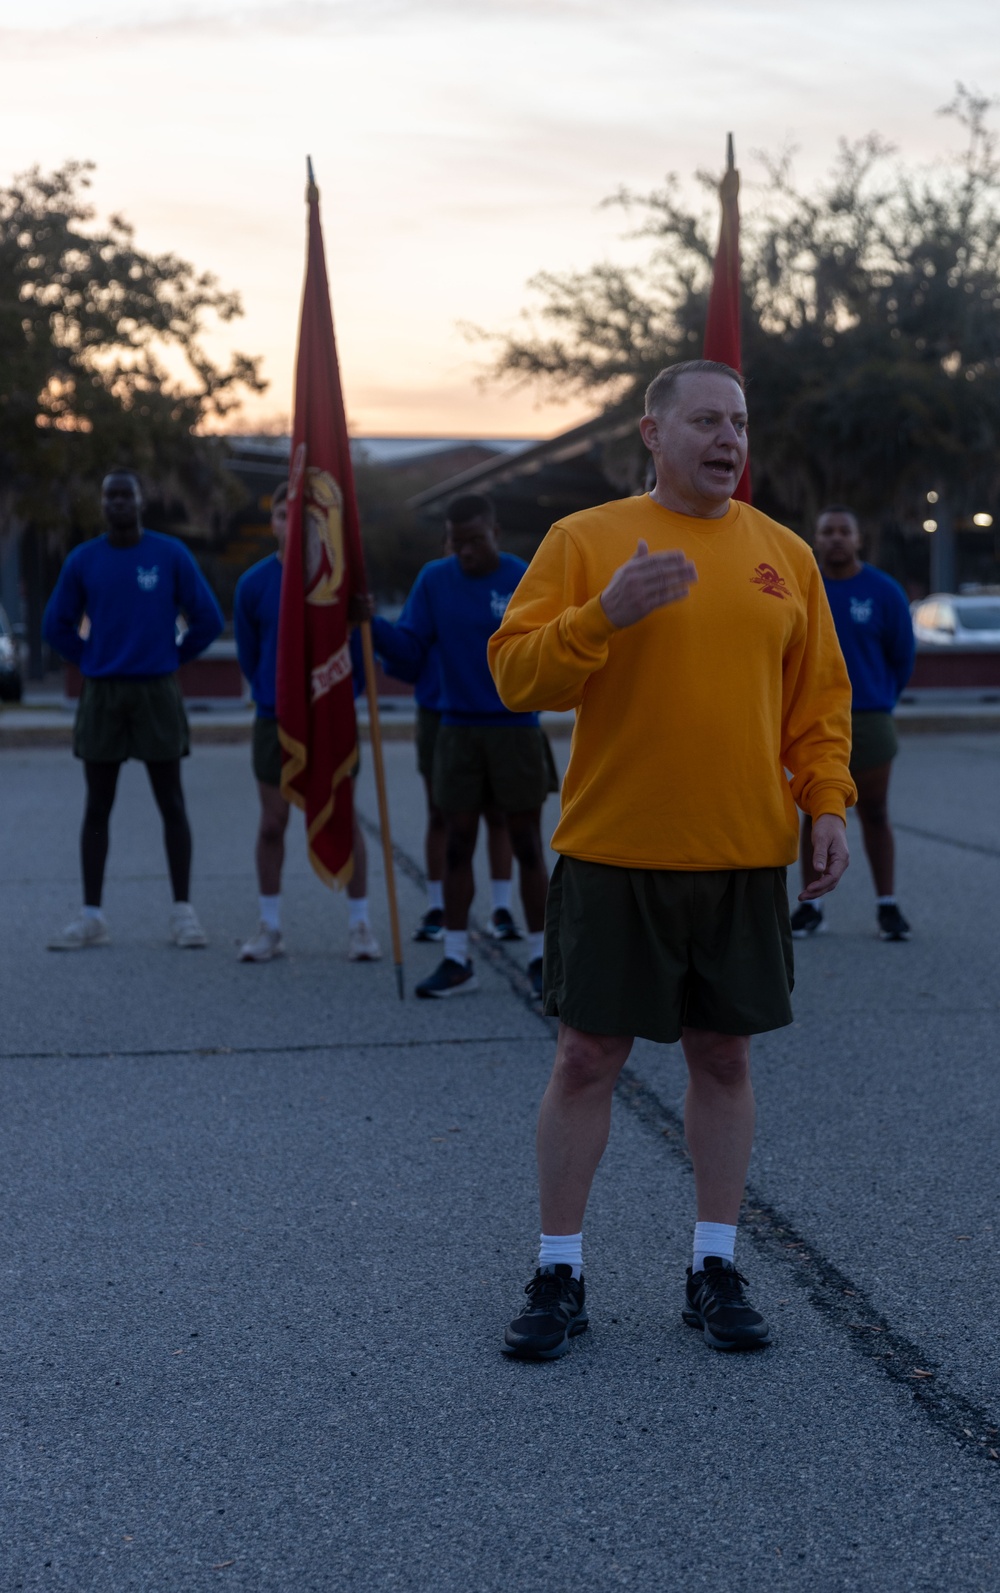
378	762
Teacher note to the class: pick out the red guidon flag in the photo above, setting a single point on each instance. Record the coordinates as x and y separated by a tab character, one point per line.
722	328
323	569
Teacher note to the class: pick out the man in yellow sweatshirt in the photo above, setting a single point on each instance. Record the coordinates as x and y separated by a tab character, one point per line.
693	637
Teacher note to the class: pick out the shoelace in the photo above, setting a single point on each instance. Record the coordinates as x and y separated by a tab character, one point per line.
726	1285
546	1289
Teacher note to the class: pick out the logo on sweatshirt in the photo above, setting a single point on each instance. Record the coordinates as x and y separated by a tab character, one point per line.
861	610
498	603
770	582
148	578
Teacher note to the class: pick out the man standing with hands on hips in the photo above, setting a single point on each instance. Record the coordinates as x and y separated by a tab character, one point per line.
693	637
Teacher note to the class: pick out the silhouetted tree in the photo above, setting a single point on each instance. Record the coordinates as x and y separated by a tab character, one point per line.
871	324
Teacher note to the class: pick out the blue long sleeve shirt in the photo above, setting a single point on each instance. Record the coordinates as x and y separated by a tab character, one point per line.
132	597
426	681
455	615
256	610
256	613
875	632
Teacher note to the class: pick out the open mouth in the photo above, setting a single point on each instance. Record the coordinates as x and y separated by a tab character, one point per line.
721	469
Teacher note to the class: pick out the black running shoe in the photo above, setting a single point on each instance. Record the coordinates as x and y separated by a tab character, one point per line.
891	923
535	975
449	978
556	1313
807	921
716	1304
431	926
501	926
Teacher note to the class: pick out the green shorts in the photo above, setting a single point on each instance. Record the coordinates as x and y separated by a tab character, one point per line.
649	952
428	725
266	751
873	741
118	718
481	766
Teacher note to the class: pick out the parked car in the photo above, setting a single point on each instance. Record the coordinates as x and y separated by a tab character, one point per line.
947	620
10	662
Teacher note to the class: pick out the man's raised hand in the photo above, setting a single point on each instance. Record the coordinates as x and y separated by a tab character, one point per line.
646	582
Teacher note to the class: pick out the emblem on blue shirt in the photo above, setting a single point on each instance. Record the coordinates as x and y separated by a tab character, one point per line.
148	578
861	610
498	603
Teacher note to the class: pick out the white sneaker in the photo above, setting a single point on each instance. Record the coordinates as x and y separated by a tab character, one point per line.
83	931
185	929
267	943
362	945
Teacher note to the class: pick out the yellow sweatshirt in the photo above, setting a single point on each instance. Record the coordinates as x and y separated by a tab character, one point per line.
685	722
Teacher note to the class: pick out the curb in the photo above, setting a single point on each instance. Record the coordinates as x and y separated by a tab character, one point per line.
206	734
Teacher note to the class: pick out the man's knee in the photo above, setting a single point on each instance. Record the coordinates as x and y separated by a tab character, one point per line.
722	1058
588	1061
272	828
461	839
526	838
874	814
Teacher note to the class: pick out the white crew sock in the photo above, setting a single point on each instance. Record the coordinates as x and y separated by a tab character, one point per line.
713	1239
435	895
885	901
357	911
93	912
270	912
456	945
561	1249
501	893
536	945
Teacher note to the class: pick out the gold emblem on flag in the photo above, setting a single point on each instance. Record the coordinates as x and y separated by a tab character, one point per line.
322	537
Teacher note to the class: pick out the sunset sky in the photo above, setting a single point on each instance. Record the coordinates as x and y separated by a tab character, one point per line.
460	146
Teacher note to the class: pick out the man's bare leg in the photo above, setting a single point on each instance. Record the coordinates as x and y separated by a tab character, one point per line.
357	887
271	839
498	845
361	943
574	1123
270	856
526	839
436	837
459	880
719	1115
876	831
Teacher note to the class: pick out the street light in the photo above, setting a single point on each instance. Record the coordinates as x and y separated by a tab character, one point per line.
932	497
930	525
982	519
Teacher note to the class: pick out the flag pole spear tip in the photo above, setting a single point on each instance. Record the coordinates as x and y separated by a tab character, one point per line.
312	192
730	153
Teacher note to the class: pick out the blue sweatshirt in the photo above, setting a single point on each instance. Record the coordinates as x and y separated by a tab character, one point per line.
426	683
875	632
132	597
256	612
458	614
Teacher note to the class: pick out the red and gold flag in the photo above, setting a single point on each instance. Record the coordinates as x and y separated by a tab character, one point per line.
323	569
722	328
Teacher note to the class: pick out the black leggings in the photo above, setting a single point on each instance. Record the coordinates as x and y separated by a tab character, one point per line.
102	782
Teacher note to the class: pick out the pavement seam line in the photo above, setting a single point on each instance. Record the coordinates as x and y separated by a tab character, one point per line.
947	840
261	1050
830	1291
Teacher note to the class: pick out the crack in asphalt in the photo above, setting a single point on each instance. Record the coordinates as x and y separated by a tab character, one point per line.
261	1050
831	1292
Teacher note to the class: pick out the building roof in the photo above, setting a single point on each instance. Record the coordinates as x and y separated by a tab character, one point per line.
590	440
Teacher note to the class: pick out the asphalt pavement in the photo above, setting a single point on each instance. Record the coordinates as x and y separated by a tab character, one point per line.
263	1226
